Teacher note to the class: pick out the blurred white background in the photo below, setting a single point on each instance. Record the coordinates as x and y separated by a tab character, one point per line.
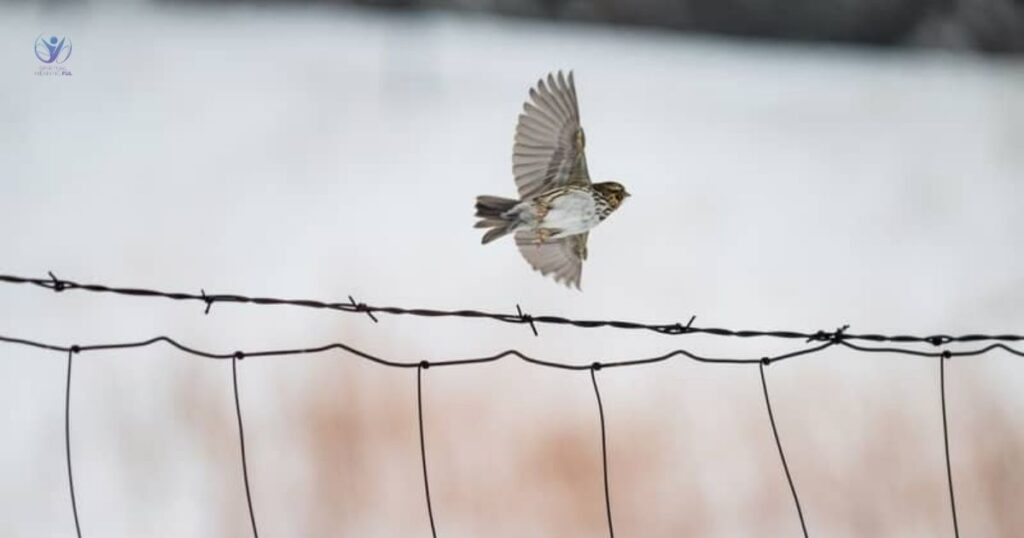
322	152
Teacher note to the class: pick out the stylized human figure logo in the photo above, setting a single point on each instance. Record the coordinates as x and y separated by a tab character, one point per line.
53	49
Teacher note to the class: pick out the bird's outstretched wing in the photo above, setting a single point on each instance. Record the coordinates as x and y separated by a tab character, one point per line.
548	150
561	258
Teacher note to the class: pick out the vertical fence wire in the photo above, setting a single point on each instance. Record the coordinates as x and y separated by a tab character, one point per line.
423	445
782	455
945	440
241	441
604	448
67	441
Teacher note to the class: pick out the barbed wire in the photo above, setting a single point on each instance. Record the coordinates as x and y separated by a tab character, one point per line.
820	341
676	328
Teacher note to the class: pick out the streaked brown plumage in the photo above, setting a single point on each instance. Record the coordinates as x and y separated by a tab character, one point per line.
558	205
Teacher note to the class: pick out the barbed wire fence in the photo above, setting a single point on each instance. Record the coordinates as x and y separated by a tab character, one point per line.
813	342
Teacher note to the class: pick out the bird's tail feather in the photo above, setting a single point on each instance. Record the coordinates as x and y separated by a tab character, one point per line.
492	211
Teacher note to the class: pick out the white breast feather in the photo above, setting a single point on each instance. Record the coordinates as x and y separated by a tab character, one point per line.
573	213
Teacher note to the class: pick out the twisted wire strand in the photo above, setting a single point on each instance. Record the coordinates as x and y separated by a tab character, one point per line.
57	284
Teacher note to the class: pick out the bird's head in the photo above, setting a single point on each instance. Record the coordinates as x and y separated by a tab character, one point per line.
613	192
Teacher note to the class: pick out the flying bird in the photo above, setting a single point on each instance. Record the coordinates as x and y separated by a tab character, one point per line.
558	205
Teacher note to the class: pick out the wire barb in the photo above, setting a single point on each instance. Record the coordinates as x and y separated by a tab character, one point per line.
361	307
56	284
526	318
837	336
681	329
208	300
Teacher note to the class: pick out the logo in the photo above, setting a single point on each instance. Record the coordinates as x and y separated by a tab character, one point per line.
52	51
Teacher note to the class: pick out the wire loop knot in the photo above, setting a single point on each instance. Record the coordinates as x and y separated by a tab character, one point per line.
834	337
839	335
819	336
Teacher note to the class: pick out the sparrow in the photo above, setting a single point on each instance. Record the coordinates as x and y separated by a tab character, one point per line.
558	205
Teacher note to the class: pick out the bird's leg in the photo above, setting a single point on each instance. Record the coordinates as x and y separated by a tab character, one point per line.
543	234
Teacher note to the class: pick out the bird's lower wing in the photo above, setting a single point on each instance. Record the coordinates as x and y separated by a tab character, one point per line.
560	258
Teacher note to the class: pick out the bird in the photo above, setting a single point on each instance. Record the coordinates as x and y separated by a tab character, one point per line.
558	204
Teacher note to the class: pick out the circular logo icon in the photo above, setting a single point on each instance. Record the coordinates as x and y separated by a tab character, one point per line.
53	49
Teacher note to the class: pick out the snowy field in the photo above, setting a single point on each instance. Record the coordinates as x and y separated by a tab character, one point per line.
323	153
